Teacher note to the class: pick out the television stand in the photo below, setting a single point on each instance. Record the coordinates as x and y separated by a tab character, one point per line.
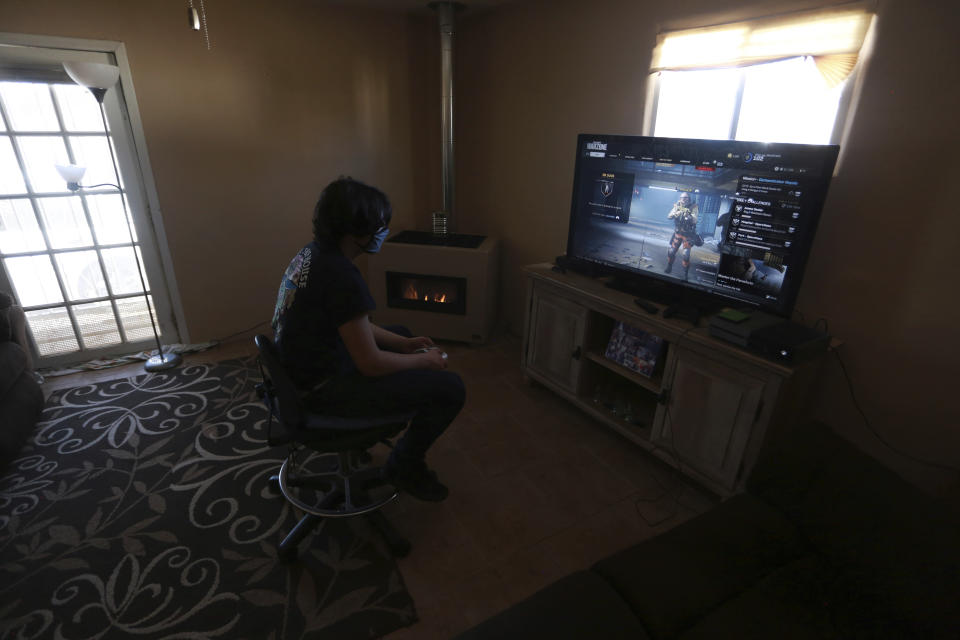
708	405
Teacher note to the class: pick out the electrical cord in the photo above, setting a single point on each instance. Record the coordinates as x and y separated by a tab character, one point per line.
672	450
241	332
863	414
871	429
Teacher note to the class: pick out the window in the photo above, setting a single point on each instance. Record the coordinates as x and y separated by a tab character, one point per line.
781	79
68	256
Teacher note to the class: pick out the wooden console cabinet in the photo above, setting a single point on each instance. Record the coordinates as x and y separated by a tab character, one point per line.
707	408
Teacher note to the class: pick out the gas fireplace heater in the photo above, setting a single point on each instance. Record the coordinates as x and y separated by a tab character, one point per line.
441	284
434	288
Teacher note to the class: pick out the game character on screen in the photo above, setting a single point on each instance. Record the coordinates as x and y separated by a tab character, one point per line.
344	364
684	215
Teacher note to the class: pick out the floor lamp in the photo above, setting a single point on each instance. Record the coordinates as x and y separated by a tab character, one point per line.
98	78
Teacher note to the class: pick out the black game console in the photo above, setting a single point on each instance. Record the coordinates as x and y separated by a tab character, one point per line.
788	342
739	327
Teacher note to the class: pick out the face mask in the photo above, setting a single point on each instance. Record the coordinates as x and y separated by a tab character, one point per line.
377	240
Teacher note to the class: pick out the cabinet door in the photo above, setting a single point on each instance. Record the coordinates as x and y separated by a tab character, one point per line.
555	342
710	412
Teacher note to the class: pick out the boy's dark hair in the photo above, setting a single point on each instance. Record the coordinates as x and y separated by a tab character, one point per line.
349	207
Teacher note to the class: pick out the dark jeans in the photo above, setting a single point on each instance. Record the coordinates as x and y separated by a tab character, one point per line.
436	396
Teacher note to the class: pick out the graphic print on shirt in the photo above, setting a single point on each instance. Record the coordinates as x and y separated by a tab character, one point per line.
295	277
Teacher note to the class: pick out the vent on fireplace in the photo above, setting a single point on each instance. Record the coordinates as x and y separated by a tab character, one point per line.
441	294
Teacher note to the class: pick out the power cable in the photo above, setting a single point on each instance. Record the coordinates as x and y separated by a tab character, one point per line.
241	332
672	450
871	429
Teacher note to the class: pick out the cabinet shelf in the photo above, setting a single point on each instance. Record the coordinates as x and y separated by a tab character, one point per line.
653	384
638	433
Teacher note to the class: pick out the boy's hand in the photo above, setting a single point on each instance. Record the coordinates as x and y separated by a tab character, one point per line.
434	359
411	345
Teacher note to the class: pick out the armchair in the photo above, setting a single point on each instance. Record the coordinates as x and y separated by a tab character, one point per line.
21	398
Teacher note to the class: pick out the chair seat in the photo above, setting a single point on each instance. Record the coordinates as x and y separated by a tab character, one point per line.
353	425
337	433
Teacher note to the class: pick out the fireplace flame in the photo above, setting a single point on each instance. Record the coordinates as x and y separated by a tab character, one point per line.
411	293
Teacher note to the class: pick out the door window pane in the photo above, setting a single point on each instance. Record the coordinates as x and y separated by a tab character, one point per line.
41	154
52	331
78	107
11	180
34	280
98	326
696	104
122	270
81	274
19	230
29	106
135	319
65	223
106	212
93	153
787	101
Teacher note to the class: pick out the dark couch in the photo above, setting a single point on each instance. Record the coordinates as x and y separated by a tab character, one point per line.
21	398
825	543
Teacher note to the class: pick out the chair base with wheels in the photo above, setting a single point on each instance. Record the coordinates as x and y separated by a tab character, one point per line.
326	473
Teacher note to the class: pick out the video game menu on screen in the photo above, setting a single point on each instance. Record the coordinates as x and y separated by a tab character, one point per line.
730	218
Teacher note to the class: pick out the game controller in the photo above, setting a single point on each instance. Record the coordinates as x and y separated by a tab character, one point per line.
443	354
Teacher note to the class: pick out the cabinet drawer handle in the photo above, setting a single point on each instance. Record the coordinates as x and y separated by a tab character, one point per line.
576	354
664	396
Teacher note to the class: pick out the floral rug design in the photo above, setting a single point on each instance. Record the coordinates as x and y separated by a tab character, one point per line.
140	508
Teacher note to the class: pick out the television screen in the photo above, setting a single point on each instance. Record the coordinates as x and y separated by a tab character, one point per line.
733	220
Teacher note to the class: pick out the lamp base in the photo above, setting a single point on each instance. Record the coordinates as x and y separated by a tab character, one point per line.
163	361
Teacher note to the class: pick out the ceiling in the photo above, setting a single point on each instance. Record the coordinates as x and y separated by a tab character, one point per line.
414	5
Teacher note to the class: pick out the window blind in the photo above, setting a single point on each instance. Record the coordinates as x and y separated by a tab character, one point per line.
832	36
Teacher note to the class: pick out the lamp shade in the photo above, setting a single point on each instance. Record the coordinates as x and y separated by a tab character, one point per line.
92	75
71	173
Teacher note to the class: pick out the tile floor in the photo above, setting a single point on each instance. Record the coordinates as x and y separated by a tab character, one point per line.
537	490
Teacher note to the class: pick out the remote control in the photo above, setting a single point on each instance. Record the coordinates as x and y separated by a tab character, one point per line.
649	307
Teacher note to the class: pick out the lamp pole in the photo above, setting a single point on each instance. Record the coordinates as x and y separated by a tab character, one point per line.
98	78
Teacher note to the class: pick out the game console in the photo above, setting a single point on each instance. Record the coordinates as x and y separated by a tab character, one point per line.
769	335
738	326
789	342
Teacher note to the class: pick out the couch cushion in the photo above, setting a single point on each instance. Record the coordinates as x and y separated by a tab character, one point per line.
790	603
579	606
21	402
674	579
13	362
892	543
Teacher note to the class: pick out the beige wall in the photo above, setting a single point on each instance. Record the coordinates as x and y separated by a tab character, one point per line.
534	75
243	137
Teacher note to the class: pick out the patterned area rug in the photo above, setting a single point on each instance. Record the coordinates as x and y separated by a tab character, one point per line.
141	509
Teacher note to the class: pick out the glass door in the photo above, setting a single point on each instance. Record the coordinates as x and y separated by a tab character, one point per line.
68	256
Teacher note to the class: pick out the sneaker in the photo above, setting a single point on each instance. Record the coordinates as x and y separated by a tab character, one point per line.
417	481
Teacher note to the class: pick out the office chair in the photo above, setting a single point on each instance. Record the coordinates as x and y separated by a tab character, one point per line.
340	484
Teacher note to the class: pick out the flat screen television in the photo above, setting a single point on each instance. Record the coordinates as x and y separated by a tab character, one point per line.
719	221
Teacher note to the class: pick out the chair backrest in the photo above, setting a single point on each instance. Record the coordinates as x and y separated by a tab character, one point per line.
283	390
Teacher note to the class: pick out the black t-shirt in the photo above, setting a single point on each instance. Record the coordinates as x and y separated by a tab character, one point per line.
321	290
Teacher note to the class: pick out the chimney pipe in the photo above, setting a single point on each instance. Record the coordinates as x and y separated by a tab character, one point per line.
445	12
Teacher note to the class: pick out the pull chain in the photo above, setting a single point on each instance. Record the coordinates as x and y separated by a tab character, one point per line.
198	20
